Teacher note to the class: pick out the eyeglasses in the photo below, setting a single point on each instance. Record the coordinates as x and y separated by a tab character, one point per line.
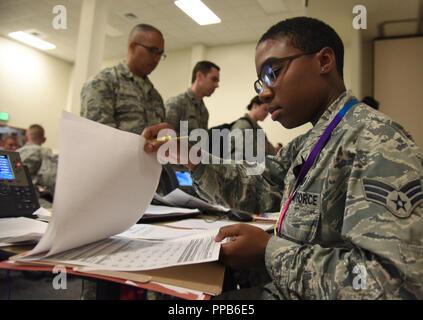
153	50
270	71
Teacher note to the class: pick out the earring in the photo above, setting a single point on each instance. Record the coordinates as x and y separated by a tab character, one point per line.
322	69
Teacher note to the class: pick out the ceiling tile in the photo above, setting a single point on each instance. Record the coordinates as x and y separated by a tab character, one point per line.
242	20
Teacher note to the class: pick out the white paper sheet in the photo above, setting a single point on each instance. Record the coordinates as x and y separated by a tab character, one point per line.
160	210
14	230
180	198
43	214
153	232
213	225
105	181
199	294
270	216
3	244
135	255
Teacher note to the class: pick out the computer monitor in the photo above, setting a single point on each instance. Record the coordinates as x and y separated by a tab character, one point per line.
184	178
185	182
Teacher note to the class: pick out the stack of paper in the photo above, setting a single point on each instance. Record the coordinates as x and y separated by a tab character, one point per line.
213	224
156	213
43	214
105	182
163	210
16	230
179	198
123	254
153	232
267	216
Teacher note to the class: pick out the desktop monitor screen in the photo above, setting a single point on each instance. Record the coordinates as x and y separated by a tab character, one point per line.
184	178
6	172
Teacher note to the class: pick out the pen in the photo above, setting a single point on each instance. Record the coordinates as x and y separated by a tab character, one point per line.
168	137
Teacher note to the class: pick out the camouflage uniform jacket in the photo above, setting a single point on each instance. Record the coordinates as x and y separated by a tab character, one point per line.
355	228
186	107
42	165
122	100
243	124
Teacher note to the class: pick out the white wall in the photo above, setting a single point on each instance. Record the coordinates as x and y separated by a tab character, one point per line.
347	67
398	82
33	87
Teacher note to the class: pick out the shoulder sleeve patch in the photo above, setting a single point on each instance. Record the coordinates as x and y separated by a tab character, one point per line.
400	202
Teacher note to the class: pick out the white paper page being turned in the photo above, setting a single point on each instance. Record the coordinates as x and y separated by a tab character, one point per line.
105	181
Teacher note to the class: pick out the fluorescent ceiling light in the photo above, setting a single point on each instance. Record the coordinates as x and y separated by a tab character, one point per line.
31	40
198	11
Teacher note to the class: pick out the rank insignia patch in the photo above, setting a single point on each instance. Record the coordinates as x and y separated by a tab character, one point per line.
399	202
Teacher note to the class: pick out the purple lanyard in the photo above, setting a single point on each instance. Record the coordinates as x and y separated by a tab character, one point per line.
312	157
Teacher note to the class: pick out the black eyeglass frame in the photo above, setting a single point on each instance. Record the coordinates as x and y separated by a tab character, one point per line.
269	75
153	50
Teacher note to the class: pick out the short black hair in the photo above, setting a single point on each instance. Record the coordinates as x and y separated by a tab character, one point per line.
36	130
309	35
255	100
371	102
204	67
143	27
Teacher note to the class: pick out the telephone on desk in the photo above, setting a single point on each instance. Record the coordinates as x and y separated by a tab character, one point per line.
18	197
